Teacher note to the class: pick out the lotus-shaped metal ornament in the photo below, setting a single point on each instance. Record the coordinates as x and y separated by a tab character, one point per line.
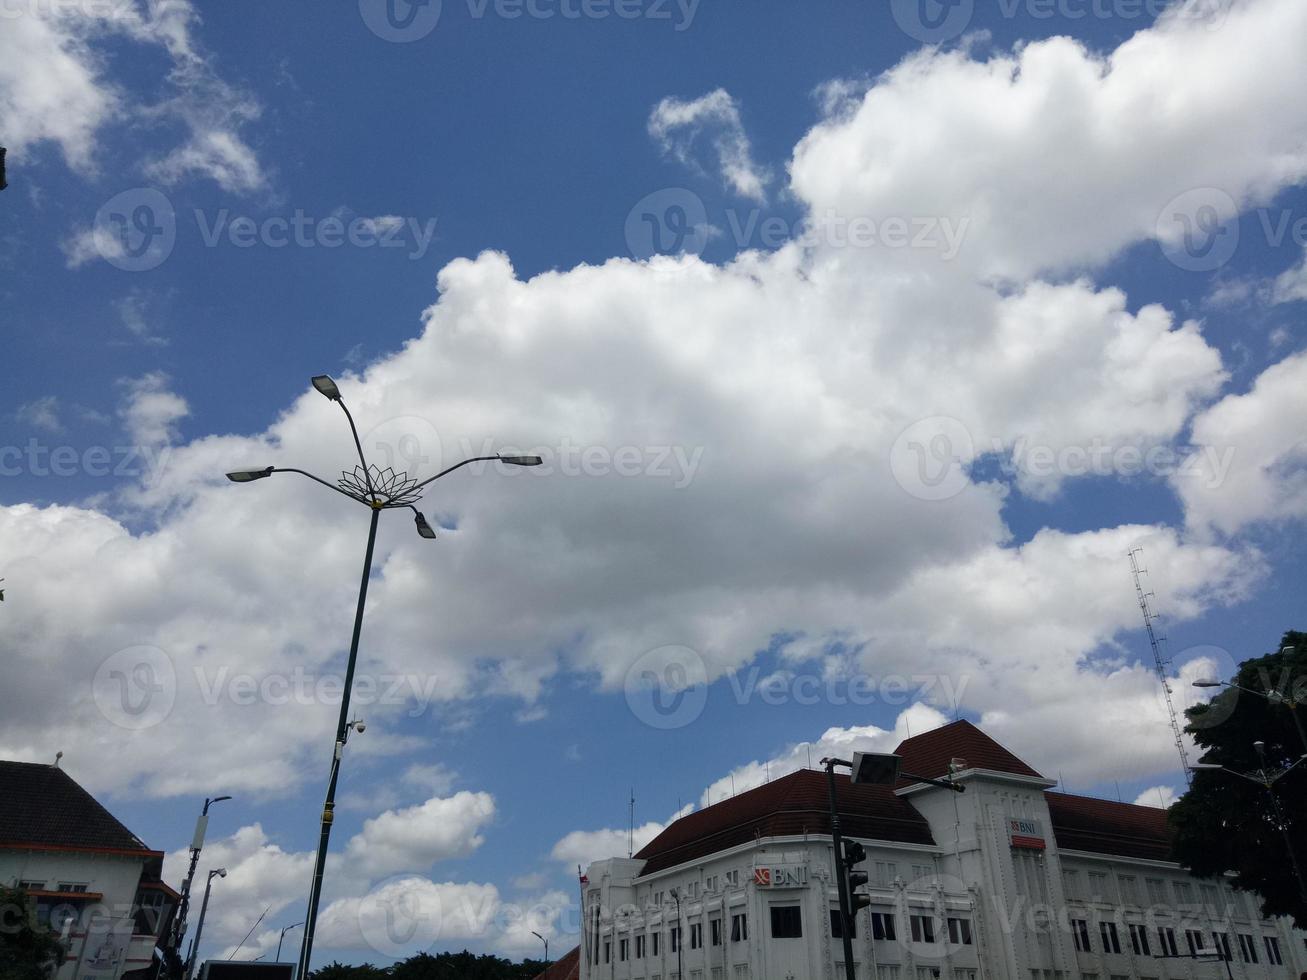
380	488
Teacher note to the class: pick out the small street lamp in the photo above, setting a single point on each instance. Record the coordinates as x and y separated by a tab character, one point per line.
1285	698
378	490
283	936
199	926
1267	777
545	941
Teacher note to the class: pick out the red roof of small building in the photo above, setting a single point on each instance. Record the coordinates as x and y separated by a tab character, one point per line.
791	806
929	754
568	968
41	806
1082	823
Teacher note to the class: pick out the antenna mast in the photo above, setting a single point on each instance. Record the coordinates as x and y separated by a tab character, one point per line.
631	852
1160	662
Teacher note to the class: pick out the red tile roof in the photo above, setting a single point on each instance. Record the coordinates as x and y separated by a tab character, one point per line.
790	806
42	805
568	968
929	754
1082	823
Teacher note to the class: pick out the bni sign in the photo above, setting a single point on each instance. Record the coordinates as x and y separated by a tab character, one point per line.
1026	833
781	876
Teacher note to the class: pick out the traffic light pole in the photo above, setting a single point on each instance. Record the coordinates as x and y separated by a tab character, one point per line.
846	920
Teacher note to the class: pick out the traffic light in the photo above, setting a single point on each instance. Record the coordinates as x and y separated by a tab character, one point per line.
855	854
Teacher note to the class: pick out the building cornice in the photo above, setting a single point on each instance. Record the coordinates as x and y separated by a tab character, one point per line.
1032	782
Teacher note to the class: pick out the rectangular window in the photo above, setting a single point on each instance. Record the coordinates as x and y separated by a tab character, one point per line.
1247	948
1071	884
1107	933
786	922
886	872
1184	893
922	874
1222	940
923	928
1080	934
882	926
696	935
1194	940
715	931
1130	889
1273	951
959	932
676	938
1139	940
31	885
73	886
654	937
639	947
1156	891
623	948
1211	898
740	928
837	928
1098	888
1166	938
608	950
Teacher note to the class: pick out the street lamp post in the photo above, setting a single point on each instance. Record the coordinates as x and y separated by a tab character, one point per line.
377	490
1267	778
1275	697
869	768
199	926
283	936
545	941
680	934
197	842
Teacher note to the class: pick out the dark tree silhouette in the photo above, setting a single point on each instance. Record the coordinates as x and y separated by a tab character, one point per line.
1225	823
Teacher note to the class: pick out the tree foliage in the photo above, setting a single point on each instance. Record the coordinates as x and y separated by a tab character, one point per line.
444	966
1228	824
28	950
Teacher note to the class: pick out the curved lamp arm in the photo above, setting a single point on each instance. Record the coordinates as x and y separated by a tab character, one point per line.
474	459
357	445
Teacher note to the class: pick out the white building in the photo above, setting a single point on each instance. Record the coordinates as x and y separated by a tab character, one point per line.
1006	881
93	881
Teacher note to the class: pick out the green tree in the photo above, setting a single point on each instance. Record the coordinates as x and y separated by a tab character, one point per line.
340	971
28	950
1227	824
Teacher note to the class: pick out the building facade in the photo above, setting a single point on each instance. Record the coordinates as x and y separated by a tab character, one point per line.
92	880
1006	881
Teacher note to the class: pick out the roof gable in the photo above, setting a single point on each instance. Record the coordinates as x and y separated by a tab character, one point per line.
929	754
42	805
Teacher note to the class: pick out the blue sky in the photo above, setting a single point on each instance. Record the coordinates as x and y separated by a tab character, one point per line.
796	546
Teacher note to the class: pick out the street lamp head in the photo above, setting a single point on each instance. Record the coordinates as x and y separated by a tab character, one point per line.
249	476
1206	765
424	529
219	799
521	460
325	384
1207	682
220	872
1259	747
